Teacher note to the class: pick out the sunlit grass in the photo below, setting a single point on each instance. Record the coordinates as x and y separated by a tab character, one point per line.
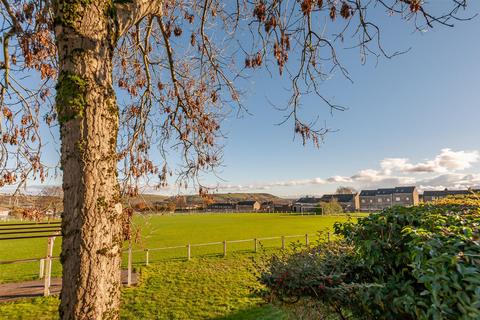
177	230
209	286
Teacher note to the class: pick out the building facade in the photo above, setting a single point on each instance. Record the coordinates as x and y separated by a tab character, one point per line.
248	206
440	194
306	204
279	207
406	196
377	200
367	200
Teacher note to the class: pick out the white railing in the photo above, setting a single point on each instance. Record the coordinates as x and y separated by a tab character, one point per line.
46	262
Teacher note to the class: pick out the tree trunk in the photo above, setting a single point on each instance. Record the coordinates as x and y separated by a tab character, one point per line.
88	117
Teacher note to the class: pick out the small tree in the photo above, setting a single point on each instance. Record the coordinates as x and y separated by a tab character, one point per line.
345	190
330	207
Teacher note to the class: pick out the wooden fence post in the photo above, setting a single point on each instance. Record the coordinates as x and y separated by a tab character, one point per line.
328	236
42	269
48	267
255	244
189	251
306	239
283	242
146	257
129	265
224	248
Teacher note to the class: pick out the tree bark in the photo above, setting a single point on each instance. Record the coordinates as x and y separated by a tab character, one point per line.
87	32
88	117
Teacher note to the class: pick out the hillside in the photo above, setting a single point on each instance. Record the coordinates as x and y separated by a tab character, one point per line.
235	197
149	199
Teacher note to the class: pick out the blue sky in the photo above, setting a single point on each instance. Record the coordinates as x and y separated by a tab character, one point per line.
412	119
412	106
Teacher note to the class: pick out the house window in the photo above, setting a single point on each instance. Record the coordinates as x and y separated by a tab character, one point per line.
407	198
363	200
379	200
371	200
388	200
397	199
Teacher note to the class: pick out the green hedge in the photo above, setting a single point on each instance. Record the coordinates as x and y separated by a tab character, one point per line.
404	263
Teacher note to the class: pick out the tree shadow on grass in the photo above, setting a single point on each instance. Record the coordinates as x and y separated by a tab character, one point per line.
260	312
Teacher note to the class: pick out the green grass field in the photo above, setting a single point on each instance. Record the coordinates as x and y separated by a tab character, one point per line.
207	287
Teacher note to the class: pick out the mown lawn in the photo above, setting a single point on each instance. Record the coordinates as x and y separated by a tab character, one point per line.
207	287
174	230
203	288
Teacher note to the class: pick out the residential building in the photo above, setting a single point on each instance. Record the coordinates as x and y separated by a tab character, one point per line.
349	202
384	198
285	207
267	206
377	200
367	200
405	196
306	204
248	206
440	194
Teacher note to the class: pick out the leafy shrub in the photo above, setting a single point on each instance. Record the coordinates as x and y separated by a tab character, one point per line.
331	207
404	263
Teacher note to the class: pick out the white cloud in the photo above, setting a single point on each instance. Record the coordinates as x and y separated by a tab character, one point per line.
339	179
459	160
444	170
394	172
447	161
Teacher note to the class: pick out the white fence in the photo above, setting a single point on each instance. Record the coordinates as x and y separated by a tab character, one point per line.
45	264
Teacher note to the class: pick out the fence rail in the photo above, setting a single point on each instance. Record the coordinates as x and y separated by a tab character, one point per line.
14	231
46	262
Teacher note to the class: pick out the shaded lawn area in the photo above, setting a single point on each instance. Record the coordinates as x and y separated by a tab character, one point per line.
203	288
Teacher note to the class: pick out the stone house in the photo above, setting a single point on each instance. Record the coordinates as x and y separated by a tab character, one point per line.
384	198
267	206
405	196
377	200
440	194
248	206
306	204
367	200
282	207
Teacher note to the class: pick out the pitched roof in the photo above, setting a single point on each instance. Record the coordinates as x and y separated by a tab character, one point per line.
345	197
409	189
447	192
385	191
246	203
368	193
308	200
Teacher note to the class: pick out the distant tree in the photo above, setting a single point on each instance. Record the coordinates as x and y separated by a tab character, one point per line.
330	207
52	191
51	198
180	202
345	190
177	66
